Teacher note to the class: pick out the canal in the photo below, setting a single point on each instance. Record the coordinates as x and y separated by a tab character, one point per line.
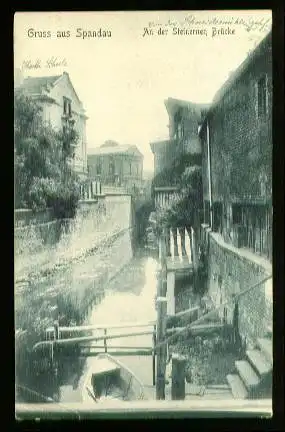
129	298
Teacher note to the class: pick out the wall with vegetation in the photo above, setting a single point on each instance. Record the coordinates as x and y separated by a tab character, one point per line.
231	271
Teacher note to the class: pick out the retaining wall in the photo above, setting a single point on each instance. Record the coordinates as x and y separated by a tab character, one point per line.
231	271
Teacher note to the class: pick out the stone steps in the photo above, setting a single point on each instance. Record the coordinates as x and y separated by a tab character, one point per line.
237	387
259	362
247	374
253	377
265	346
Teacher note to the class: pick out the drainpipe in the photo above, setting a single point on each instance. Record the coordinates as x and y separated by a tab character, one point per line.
209	175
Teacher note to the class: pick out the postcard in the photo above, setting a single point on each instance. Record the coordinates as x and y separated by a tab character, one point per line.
143	213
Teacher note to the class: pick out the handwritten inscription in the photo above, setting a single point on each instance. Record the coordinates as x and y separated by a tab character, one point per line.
212	27
50	63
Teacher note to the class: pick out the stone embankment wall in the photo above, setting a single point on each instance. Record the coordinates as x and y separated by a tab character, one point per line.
231	271
62	264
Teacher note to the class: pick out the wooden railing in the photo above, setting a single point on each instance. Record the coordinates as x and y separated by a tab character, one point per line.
56	336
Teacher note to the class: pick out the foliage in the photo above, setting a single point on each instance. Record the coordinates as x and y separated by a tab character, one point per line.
173	174
43	177
209	360
182	212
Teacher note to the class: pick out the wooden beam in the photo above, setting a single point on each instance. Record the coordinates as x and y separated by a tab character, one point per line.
90	339
116	347
162	351
138	352
189	311
198	329
103	326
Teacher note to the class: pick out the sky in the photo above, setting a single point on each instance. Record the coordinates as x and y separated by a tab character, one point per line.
123	80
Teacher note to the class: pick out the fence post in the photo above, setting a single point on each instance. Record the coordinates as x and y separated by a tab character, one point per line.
178	377
56	330
55	338
161	351
153	355
105	342
163	264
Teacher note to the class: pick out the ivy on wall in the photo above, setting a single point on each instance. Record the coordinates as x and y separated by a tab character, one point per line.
43	176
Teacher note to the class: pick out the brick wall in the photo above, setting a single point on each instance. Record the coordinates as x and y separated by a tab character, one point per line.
231	271
240	138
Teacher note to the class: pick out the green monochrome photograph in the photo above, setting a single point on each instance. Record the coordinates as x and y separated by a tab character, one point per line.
143	214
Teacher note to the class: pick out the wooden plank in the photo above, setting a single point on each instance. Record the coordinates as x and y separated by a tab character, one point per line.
103	326
135	353
189	311
170	294
90	339
198	329
116	347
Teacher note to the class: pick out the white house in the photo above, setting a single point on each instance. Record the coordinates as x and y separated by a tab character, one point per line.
61	106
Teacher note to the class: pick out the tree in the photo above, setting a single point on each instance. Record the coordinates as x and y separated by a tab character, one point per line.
184	212
43	177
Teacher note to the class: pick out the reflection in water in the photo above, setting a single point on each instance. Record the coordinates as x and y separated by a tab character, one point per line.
129	299
134	300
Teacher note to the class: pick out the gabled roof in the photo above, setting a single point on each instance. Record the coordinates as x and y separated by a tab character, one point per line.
172	105
34	85
114	149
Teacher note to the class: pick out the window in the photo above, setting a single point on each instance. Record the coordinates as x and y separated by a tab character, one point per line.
262	96
111	166
130	168
99	167
237	214
67	107
64	106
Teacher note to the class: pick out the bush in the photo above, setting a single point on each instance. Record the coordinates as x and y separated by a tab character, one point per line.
64	201
42	174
